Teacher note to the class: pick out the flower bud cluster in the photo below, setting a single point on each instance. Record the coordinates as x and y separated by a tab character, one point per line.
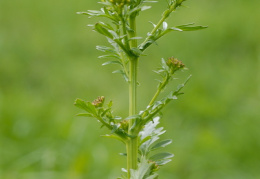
99	101
120	3
174	64
124	125
154	167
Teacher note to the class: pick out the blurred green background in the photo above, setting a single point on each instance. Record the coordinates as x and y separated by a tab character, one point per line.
48	59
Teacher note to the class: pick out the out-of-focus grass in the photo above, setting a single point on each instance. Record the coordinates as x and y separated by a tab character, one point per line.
48	58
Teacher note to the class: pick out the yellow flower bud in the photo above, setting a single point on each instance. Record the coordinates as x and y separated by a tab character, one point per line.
99	101
174	64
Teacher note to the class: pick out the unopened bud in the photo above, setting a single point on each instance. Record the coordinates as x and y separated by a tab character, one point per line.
155	167
174	64
120	2
124	125
99	101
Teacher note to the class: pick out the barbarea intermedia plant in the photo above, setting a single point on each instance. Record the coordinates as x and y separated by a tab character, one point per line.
138	131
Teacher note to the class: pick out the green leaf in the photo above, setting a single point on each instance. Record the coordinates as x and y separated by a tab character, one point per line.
143	169
136	51
135	38
161	156
143	8
163	162
104	112
149	128
145	139
161	144
105	49
179	87
80	103
112	136
145	147
133	117
122	73
171	96
87	106
114	129
174	29
190	27
138	9
103	13
112	62
109	56
119	71
99	27
117	118
114	34
154	176
91	108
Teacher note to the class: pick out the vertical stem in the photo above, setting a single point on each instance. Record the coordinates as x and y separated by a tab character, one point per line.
132	86
132	144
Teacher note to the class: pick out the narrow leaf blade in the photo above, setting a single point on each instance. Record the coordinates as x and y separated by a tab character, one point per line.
161	156
161	144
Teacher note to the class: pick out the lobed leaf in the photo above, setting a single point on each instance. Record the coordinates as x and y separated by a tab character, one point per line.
149	128
144	169
80	104
145	147
87	106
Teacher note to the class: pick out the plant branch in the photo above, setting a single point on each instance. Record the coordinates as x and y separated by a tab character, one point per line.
166	14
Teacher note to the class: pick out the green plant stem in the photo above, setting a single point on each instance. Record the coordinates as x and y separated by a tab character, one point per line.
152	33
132	144
125	33
159	90
132	86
